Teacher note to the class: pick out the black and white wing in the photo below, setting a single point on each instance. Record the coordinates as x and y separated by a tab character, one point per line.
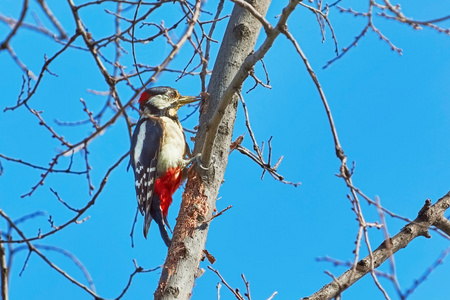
145	146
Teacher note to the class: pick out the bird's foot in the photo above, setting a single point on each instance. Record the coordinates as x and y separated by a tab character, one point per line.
197	160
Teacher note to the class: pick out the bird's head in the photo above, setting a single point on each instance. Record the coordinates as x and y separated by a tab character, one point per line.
163	100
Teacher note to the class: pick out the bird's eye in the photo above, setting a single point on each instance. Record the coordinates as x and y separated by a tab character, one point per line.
173	94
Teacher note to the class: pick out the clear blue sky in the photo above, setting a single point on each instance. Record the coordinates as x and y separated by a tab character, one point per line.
392	114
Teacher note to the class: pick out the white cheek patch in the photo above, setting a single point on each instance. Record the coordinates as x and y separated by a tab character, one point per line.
159	102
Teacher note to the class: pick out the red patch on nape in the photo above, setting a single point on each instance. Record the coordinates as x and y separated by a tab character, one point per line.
144	97
165	187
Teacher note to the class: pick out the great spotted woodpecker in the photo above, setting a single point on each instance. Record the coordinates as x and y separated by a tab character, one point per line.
158	154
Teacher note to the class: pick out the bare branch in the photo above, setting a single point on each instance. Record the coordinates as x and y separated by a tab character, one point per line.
419	227
137	270
273	295
32	248
235	292
69	255
5	43
53	19
24	68
81	211
63	202
205	62
219	213
247	286
243	72
427	273
68	170
44	68
4	272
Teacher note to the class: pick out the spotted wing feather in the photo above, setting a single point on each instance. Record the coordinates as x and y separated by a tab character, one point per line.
145	147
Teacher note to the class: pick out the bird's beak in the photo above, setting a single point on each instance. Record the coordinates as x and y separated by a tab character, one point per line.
186	100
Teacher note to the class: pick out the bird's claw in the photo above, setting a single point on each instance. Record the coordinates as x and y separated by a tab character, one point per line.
198	161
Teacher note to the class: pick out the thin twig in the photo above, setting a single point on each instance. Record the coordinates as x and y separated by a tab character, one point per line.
235	292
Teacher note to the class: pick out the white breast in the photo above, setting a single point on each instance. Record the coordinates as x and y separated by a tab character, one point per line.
173	145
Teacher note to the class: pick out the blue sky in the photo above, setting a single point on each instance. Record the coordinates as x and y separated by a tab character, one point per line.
392	114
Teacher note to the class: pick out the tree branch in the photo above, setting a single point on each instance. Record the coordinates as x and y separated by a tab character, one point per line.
428	216
16	27
4	272
229	94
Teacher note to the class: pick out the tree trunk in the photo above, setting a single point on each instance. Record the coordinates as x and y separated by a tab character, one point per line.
189	238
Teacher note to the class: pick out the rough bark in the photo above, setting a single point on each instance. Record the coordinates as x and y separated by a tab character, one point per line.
189	238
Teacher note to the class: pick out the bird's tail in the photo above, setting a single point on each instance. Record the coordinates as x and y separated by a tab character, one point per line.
157	215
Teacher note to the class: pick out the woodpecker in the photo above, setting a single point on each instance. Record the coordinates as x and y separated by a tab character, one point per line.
158	154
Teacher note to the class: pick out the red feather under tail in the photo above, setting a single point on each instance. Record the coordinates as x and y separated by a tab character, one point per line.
165	187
